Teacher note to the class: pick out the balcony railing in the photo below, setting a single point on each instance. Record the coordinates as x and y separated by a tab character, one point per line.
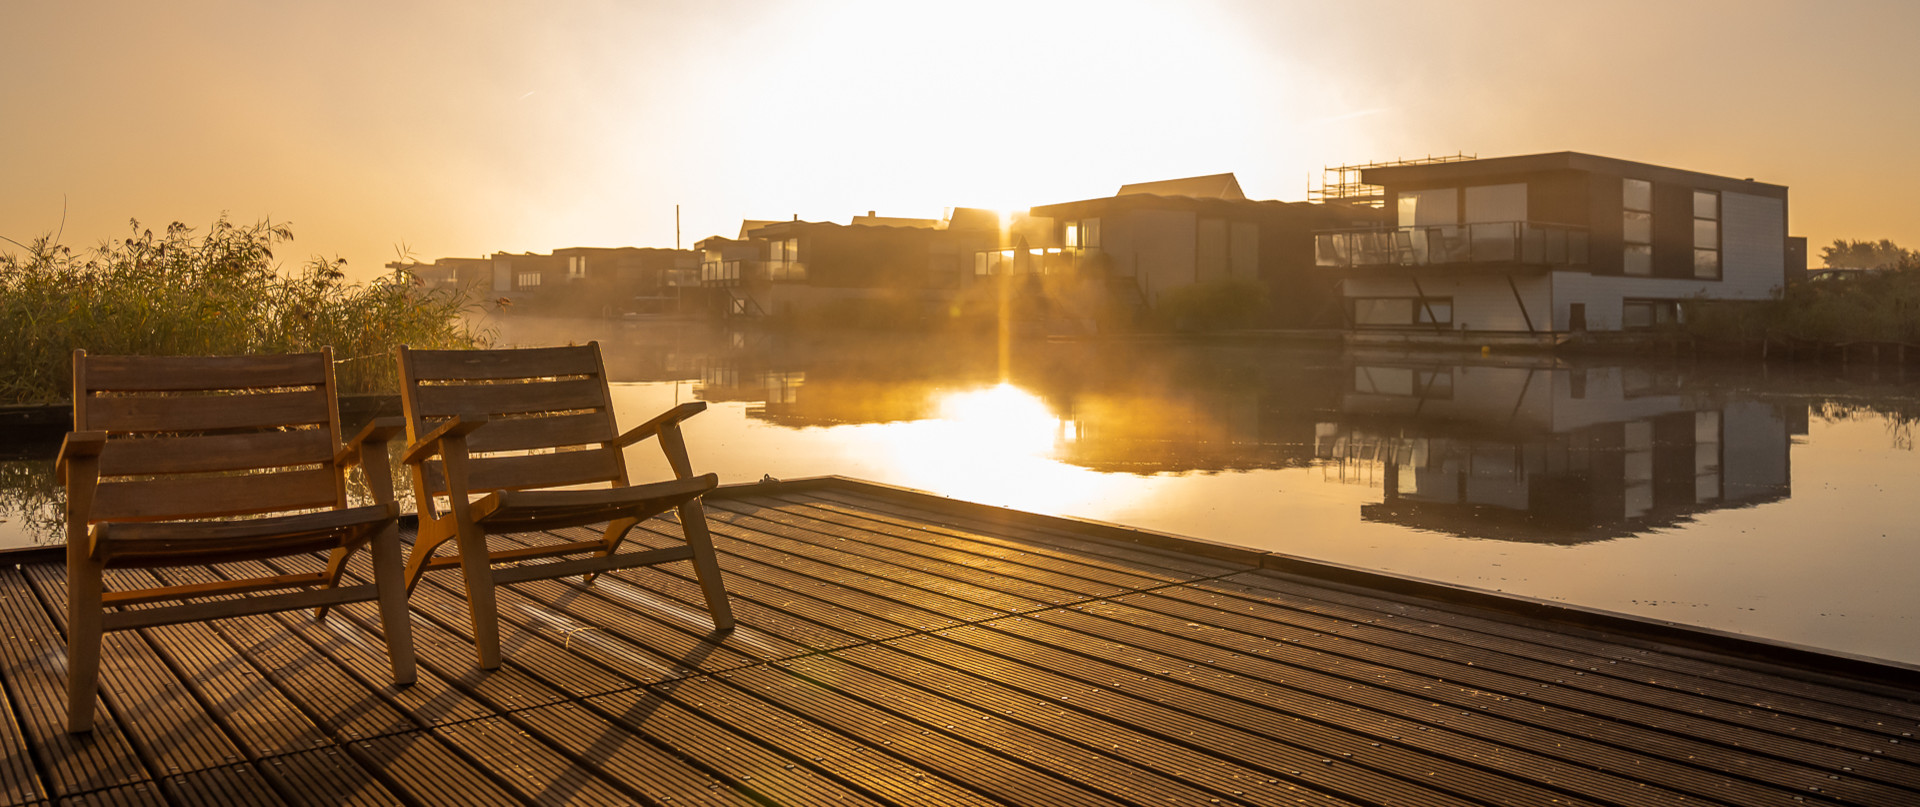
1500	242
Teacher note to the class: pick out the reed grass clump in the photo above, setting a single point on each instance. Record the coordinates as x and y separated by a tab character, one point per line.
1876	306
180	292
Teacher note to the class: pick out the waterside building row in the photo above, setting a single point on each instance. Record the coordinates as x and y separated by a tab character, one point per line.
1546	246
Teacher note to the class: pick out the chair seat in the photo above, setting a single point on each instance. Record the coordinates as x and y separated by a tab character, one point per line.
525	510
188	542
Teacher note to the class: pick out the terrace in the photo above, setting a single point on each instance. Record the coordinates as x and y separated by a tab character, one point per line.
900	648
1499	243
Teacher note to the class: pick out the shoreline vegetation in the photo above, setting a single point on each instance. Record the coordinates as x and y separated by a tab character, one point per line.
182	292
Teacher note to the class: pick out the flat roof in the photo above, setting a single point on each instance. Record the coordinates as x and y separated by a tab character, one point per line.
1559	161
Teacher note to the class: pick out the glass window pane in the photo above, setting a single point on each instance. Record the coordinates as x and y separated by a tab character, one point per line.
1637	194
1432	206
1090	233
1706	234
1706	263
1435	310
1383	311
1497	203
1706	205
1637	227
1638	260
1636	315
1073	234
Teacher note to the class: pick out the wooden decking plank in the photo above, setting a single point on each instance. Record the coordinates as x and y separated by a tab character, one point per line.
936	711
538	670
330	696
791	613
873	592
19	782
326	777
33	660
984	771
235	693
536	773
761	631
162	718
431	700
626	758
980	689
921	549
1340	763
1238	652
1145	556
1812	720
1117	568
1387	717
1492	673
145	794
231	784
700	725
946	580
422	770
1632	663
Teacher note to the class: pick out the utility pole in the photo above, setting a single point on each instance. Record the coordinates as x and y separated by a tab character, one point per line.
676	226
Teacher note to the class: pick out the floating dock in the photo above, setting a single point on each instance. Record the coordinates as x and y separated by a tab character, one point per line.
898	648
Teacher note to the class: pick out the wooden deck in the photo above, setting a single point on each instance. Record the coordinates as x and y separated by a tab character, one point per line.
896	649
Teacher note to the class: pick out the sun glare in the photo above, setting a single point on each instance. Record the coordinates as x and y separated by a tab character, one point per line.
1001	419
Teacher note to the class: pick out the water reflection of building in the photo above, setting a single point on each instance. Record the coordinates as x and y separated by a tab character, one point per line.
1549	453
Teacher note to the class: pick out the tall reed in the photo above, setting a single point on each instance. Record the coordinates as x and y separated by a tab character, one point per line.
181	293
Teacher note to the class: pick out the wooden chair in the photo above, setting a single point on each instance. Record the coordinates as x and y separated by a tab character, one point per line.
167	451
496	431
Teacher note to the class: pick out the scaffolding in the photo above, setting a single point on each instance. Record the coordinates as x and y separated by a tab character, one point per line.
1341	183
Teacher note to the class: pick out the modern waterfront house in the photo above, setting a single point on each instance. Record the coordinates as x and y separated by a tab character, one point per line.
1553	245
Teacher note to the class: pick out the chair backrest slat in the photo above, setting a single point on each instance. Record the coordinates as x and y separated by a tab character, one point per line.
535	399
509	398
515	434
213	497
208	412
217	452
543	470
202	437
494	365
180	373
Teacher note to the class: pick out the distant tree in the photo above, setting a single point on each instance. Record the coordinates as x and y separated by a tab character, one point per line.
1882	254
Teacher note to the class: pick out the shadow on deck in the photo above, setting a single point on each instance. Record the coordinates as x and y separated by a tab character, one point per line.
896	648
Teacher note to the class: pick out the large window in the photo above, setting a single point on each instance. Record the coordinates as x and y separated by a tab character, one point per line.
1639	314
527	280
1636	227
1389	312
1706	235
1083	233
576	267
1432	206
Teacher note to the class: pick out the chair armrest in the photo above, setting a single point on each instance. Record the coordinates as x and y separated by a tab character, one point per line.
78	447
457	426
652	427
379	431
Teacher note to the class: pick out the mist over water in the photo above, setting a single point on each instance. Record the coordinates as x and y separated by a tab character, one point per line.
1774	501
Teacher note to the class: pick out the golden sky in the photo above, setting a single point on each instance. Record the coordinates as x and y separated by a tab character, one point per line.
478	126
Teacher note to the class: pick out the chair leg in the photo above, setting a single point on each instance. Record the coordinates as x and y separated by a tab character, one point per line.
83	639
693	521
335	565
610	539
395	621
472	543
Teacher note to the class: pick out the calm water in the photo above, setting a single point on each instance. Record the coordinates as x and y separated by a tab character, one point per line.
1769	501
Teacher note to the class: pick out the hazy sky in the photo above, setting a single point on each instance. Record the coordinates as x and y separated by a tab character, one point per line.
478	126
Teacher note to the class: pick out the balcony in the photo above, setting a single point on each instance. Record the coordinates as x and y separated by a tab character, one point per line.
1508	243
